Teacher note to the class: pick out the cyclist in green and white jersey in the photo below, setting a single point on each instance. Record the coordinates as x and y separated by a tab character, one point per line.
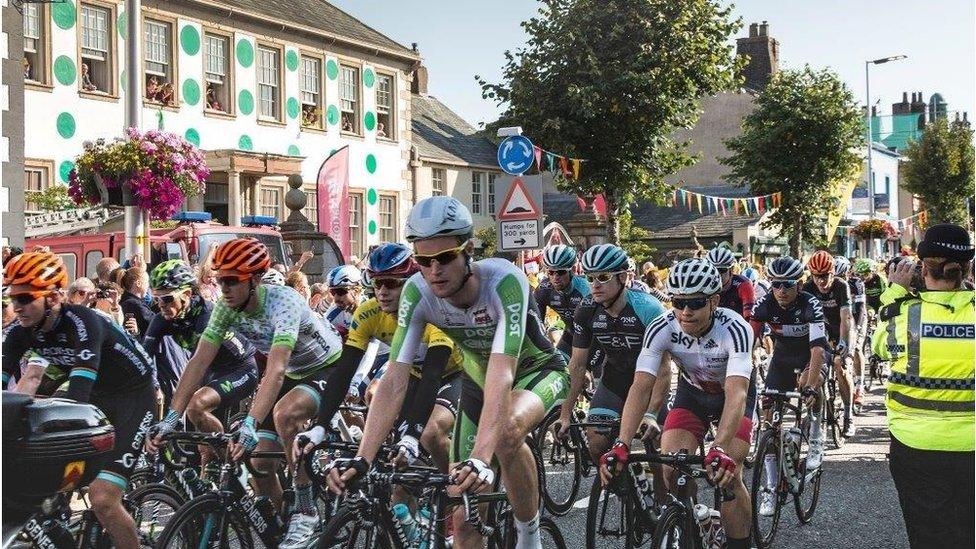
512	371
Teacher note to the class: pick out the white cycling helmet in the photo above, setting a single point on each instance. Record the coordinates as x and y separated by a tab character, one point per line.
273	277
721	257
559	256
344	276
841	265
438	216
785	267
694	276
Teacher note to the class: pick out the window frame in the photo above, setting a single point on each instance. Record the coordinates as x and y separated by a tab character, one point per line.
156	17
280	190
358	87
318	57
231	72
434	190
46	82
359	195
394	214
44	166
477	205
490	180
113	48
391	130
311	196
279	117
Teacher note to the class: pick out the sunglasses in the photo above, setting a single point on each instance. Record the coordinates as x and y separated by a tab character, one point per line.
824	276
783	284
723	270
389	283
27	298
693	303
232	280
82	292
443	257
165	299
602	278
338	292
557	272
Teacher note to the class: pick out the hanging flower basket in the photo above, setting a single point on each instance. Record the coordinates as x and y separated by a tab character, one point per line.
870	229
155	171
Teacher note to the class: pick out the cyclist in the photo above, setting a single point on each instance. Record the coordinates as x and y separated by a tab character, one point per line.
738	293
796	323
561	290
273	277
613	319
512	371
633	281
874	282
712	347
424	395
859	318
300	351
207	392
345	285
835	299
105	366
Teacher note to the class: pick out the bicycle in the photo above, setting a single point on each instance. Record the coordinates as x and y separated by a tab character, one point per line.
563	457
786	447
833	404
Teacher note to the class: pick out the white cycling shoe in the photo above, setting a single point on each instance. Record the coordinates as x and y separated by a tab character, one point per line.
300	530
815	454
767	505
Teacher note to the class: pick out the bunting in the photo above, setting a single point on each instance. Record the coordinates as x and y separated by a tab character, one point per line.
751	205
548	161
917	220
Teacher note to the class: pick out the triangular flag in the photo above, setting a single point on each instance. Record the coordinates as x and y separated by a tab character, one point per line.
581	203
699	203
688	199
722	204
564	166
538	156
576	168
550	161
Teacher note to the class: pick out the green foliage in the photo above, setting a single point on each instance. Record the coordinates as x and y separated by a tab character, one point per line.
634	239
803	138
611	81
489	240
939	170
54	199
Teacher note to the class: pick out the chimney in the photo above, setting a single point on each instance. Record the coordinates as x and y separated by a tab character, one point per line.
419	84
904	97
762	52
874	112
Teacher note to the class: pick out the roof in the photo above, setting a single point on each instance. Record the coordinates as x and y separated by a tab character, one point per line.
319	15
441	134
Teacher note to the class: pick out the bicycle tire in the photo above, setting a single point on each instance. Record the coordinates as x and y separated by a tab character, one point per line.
189	524
333	537
768	444
147	528
555	536
832	418
557	503
594	514
805	512
671	525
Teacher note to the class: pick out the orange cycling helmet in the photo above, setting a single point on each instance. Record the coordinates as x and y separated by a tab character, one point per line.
821	263
243	255
42	270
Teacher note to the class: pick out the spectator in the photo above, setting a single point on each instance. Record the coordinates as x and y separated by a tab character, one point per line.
107	295
81	292
135	284
298	281
8	310
9	253
104	268
319	298
280	267
86	80
206	281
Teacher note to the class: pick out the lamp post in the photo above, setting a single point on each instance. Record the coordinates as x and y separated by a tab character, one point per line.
136	220
867	109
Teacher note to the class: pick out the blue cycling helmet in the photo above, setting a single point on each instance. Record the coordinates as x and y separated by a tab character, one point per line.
751	274
559	256
604	258
391	259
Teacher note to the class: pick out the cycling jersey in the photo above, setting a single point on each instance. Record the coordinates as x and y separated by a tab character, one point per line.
100	357
857	299
369	322
340	318
838	296
502	319
639	286
795	330
739	296
564	303
874	286
619	337
761	288
282	318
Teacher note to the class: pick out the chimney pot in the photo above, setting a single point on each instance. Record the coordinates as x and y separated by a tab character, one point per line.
764	29
753	30
874	112
414	46
904	97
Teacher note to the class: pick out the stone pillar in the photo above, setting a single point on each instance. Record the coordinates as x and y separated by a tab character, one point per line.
300	234
234	198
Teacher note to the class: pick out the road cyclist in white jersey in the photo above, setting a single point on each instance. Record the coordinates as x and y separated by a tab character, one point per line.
712	348
511	369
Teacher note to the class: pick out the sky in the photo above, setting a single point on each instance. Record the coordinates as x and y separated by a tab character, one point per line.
459	39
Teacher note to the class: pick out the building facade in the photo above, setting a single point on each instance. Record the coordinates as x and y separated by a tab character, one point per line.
267	90
12	124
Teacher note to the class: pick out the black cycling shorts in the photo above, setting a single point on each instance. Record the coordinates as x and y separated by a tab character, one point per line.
606	404
313	384
447	397
232	387
783	373
131	413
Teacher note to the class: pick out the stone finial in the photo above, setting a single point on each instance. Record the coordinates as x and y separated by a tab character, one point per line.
295	199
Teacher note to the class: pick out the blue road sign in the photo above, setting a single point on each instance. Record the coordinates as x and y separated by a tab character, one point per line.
515	154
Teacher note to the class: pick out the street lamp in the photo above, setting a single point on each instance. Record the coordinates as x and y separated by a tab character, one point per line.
867	108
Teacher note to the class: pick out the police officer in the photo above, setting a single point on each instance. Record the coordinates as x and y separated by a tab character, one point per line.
929	335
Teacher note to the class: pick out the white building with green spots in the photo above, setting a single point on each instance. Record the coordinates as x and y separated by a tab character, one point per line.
267	89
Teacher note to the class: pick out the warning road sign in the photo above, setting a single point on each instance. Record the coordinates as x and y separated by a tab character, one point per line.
519	235
518	203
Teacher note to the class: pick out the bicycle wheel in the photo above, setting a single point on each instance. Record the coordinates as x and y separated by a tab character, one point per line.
764	527
552	538
805	502
206	522
608	515
348	530
832	417
672	531
153	507
562	468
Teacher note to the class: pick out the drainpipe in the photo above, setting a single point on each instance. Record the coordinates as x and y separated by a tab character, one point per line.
414	172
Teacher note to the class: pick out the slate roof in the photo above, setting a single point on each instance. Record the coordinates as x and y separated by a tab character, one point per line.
441	134
322	15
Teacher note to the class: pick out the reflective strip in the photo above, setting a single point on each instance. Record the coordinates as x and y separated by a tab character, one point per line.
894	348
914	337
934	405
114	478
932	382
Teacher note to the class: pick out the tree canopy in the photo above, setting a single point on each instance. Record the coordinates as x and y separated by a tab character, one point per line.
939	170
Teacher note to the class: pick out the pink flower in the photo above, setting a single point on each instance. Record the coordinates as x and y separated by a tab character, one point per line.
148	147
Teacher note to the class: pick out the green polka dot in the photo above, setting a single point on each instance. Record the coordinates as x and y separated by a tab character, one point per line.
371	196
332	69
64	70
121	24
370	121
245	102
245	52
370	164
190	40
244	143
191	91
332	113
122	79
66	125
193	136
368	78
291	60
293	150
292	107
372	227
63	14
65	170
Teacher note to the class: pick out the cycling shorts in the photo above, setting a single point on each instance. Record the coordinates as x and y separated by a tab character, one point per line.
313	384
694	410
550	385
605	404
232	387
447	396
131	413
783	373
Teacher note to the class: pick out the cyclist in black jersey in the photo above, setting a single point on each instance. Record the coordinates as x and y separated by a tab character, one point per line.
561	290
205	394
859	322
106	367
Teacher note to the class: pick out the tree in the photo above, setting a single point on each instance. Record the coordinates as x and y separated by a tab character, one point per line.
939	170
489	238
54	199
611	81
633	239
802	139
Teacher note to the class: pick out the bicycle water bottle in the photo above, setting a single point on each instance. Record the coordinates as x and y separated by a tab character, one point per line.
405	523
710	525
193	482
792	456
